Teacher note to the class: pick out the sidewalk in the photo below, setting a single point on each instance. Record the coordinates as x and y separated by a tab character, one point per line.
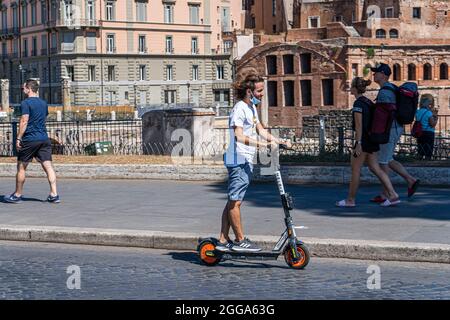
177	210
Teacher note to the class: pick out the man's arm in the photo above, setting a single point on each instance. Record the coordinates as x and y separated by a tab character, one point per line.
269	137
23	126
240	137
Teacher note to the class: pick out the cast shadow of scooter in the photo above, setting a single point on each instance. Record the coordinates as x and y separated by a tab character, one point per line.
192	257
24	199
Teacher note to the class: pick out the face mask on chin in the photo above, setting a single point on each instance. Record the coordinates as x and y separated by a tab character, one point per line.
255	100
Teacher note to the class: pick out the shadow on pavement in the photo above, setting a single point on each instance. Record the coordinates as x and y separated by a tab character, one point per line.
430	203
23	199
192	257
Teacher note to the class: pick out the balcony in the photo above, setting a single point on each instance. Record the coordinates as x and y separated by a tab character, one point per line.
44	52
67	47
143	50
53	50
24	53
111	50
74	23
10	32
34	52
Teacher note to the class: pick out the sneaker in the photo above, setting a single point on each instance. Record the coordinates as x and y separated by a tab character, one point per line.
224	247
245	245
12	198
54	199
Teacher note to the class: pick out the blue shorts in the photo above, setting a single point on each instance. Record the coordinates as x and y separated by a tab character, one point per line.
239	178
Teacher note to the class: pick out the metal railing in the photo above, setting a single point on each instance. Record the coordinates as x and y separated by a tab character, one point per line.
326	141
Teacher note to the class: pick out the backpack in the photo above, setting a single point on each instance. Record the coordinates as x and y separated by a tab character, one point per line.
383	116
417	130
407	101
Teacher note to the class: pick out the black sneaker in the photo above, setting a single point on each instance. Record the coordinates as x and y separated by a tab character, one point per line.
12	198
245	245
54	199
224	247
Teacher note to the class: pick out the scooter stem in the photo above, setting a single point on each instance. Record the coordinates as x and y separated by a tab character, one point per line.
279	182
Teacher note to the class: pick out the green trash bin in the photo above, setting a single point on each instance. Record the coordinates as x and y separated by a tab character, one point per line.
100	148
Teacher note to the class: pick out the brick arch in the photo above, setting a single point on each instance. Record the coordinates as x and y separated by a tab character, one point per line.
393	33
272	48
427	71
380	34
412	71
397	72
443	71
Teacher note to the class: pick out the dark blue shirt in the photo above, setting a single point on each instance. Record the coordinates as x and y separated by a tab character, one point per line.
37	110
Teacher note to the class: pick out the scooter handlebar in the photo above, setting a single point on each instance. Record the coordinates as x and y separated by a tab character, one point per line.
284	146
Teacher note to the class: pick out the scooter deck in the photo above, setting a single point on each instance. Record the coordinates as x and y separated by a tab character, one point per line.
260	255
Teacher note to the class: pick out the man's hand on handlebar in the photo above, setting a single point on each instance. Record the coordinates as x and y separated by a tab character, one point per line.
286	143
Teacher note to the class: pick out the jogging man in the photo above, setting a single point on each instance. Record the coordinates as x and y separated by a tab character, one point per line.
33	142
387	94
244	130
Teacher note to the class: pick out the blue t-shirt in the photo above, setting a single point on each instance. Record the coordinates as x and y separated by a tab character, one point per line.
386	95
423	115
37	110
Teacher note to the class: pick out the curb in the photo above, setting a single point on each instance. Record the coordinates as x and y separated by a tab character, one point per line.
431	176
324	248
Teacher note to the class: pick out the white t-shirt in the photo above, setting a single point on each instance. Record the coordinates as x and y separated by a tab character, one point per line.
244	116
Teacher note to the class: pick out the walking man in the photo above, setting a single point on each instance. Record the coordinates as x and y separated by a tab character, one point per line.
385	156
33	142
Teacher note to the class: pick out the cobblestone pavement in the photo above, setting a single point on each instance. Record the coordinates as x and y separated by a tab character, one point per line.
43	271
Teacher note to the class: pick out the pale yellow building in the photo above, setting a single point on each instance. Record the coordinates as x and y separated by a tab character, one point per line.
122	52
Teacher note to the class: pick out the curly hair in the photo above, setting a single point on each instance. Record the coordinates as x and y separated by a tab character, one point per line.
244	83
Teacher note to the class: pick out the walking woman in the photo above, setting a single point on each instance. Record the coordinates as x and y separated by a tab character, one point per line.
364	149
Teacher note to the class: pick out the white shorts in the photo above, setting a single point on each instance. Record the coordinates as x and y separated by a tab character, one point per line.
386	153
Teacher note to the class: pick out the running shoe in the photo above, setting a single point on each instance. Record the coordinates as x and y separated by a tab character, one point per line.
13	198
224	247
53	199
245	246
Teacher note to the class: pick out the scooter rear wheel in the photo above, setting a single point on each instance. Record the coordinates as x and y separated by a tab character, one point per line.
206	257
304	256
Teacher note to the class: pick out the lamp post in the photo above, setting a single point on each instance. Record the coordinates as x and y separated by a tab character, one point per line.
189	95
21	81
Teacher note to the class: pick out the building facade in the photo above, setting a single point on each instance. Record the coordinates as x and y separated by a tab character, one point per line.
337	40
121	52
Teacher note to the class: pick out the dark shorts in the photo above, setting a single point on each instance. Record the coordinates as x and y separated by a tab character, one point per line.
41	150
367	145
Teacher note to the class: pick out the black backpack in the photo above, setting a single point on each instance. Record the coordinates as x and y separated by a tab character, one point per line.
407	101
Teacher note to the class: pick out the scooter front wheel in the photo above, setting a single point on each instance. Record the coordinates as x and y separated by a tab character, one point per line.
304	256
206	254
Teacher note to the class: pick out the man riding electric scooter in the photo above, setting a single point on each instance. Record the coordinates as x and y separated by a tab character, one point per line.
244	127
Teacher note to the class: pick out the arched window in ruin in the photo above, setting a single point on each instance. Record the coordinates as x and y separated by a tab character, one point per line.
393	33
411	71
380	34
443	71
397	72
427	72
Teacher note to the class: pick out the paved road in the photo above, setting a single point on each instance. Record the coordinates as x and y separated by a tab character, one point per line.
196	207
39	271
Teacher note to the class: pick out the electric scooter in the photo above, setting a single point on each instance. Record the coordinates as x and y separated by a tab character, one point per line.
295	253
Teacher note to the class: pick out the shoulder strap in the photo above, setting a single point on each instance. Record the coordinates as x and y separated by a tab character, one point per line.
367	101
